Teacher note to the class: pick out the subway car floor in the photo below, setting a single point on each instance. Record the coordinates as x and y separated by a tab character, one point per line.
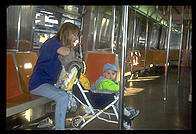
147	93
156	114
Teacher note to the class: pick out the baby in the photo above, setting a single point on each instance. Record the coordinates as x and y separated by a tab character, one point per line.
108	82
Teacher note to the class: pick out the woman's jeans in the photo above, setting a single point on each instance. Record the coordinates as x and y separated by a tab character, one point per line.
60	97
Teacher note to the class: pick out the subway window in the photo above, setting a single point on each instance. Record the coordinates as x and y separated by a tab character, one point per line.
48	20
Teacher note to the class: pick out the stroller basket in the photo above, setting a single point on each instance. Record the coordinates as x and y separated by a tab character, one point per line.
98	99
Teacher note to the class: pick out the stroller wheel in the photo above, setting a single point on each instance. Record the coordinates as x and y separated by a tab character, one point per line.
76	122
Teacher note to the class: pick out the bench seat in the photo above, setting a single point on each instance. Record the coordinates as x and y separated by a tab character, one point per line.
16	100
23	102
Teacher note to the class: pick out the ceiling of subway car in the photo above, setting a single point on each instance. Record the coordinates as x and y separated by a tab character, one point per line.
160	13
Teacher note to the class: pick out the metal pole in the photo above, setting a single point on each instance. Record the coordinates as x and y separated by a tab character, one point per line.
113	26
123	56
190	30
82	25
95	31
146	40
180	49
134	31
19	23
190	57
168	43
190	61
187	38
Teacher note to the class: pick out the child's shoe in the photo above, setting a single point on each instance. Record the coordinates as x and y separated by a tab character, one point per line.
131	113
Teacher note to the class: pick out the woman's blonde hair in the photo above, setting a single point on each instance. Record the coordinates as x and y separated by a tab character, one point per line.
64	35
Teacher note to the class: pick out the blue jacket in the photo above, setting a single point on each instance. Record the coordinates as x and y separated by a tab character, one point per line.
48	66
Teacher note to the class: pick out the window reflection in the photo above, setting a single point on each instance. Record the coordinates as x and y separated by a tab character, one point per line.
48	21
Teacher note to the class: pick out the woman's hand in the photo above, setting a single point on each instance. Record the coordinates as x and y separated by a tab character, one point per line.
63	51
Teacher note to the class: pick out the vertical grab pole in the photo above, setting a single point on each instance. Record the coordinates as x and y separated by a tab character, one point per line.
81	29
187	37
19	24
146	41
190	61
123	56
113	27
180	49
134	30
190	57
95	31
166	65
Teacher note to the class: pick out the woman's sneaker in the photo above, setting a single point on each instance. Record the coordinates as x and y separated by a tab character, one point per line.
45	123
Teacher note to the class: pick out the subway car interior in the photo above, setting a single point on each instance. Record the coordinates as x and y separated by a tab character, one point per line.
151	45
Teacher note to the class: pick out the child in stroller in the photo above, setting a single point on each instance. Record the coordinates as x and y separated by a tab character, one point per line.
107	82
92	99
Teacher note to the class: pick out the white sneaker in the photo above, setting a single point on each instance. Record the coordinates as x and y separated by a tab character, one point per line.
45	123
127	126
132	113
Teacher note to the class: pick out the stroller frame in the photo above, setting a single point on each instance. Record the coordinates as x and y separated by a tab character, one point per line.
94	112
88	98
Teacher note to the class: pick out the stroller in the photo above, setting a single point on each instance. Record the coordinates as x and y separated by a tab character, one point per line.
97	104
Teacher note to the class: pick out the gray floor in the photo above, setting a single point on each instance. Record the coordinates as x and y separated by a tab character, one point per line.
146	94
173	114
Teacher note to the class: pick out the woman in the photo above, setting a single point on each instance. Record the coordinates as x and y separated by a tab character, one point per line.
48	67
